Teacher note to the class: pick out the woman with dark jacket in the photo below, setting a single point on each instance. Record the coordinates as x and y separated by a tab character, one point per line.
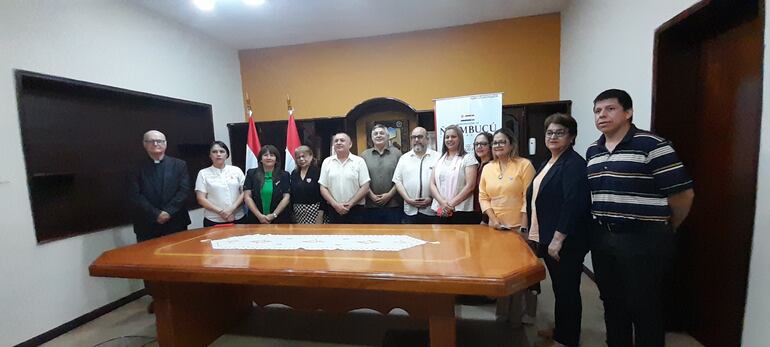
306	197
558	208
267	189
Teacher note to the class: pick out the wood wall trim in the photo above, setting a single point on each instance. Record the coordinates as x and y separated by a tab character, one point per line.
71	325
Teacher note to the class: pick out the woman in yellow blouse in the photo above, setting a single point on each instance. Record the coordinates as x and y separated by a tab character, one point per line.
504	182
502	196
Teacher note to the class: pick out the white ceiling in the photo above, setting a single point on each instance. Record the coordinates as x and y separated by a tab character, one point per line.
288	22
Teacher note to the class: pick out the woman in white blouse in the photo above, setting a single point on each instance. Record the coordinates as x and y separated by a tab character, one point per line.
219	188
453	180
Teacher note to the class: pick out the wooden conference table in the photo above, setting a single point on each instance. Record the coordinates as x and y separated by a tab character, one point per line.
201	292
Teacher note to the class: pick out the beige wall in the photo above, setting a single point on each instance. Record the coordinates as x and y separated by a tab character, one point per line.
519	57
104	42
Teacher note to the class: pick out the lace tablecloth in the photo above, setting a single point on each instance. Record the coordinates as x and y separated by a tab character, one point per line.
391	243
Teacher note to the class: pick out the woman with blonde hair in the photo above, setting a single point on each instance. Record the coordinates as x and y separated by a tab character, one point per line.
306	197
503	184
502	196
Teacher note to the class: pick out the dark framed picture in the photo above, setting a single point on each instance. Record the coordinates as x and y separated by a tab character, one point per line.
398	133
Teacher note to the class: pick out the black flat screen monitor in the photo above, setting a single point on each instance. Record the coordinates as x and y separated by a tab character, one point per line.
81	139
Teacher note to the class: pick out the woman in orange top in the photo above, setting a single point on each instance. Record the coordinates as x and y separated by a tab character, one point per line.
503	184
502	196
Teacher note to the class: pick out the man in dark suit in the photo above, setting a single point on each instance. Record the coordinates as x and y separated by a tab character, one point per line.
158	189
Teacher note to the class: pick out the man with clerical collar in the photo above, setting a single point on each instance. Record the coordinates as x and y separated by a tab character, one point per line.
383	205
344	182
158	190
640	194
412	179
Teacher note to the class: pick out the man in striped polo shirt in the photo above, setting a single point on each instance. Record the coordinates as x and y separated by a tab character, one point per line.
640	194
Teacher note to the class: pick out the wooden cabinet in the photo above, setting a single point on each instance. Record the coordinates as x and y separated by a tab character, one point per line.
526	121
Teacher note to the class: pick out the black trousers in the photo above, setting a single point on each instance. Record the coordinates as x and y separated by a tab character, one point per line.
251	218
210	223
354	216
420	218
565	279
159	230
460	217
630	261
383	215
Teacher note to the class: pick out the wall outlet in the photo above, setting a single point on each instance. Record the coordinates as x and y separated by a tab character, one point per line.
532	145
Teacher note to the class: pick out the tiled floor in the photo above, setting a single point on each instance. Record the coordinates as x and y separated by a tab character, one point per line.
131	326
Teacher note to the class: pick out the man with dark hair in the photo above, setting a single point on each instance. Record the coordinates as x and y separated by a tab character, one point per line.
383	204
640	194
620	95
158	190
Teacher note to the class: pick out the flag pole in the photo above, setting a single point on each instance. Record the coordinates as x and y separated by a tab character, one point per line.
252	140
248	105
292	138
288	105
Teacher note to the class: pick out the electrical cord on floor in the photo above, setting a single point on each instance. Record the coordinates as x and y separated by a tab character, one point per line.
152	339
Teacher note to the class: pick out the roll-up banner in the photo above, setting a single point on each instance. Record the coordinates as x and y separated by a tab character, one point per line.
472	113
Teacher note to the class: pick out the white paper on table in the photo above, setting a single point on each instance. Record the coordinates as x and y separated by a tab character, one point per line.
391	243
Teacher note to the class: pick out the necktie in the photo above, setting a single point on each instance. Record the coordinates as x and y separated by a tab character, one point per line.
419	194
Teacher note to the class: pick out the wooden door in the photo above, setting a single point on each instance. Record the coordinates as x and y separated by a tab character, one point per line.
535	115
707	100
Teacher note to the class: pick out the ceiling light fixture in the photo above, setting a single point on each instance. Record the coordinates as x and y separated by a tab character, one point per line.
254	2
205	5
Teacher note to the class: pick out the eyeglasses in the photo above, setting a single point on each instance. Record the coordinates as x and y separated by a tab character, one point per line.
499	143
555	134
480	144
417	137
156	142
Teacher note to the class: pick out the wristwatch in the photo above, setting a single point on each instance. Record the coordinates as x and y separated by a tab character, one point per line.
274	215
